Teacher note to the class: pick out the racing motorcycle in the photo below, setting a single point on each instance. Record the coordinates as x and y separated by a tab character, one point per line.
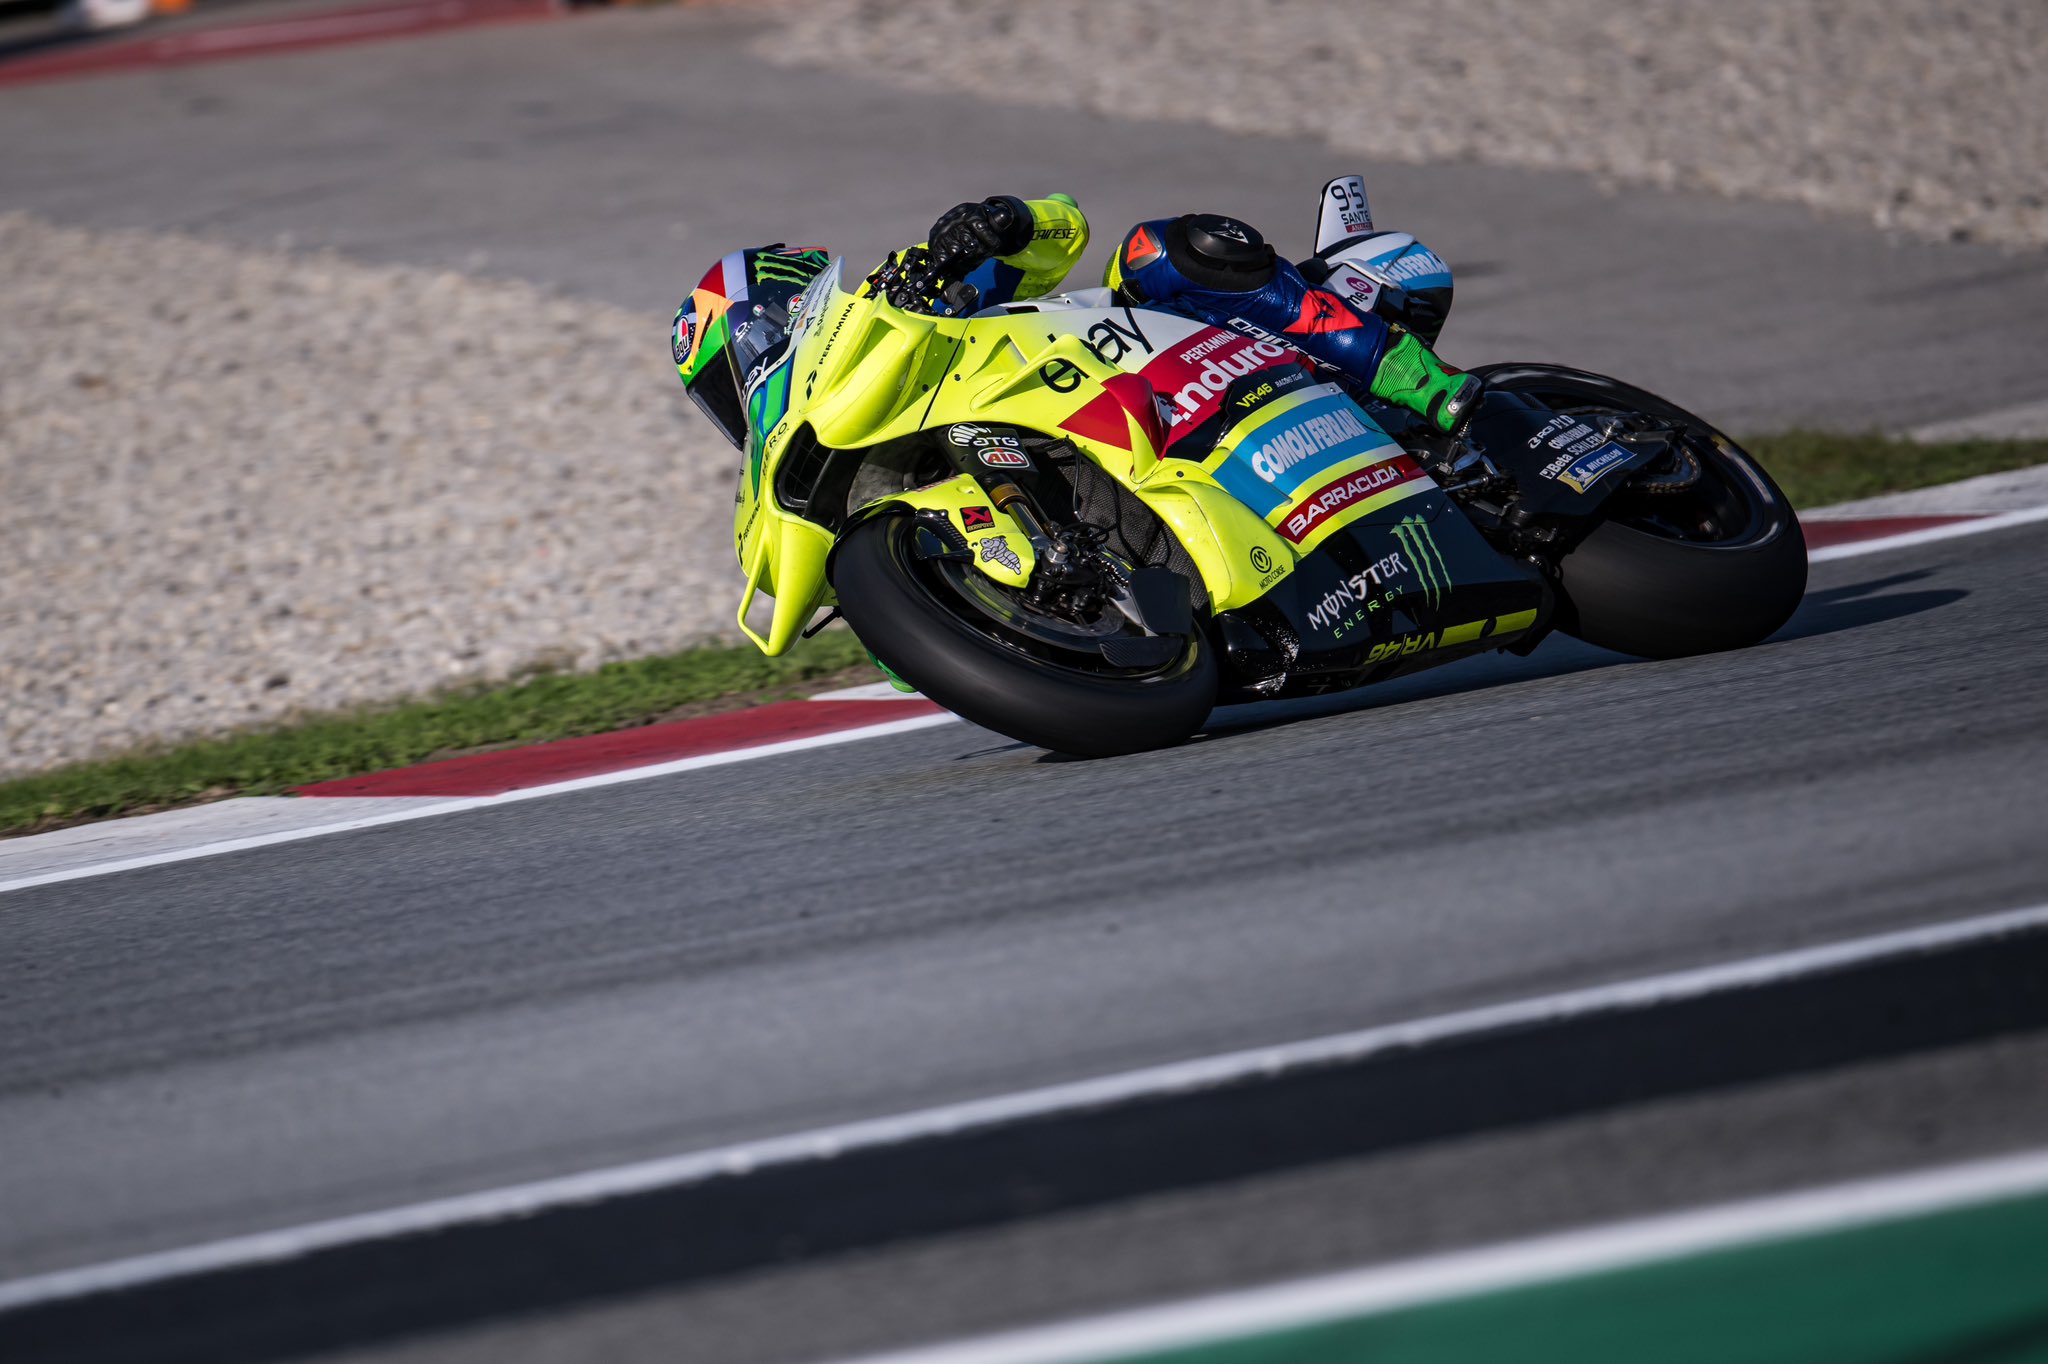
1083	524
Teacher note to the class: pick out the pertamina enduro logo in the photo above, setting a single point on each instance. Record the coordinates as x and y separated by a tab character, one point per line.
1195	378
685	332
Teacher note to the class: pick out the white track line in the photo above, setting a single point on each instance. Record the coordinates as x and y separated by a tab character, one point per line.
432	806
1907	540
521	1200
2023	420
1514	1264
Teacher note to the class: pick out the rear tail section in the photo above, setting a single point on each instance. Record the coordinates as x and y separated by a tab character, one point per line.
1345	213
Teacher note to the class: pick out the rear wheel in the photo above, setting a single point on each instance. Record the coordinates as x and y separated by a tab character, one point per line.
1090	687
1699	552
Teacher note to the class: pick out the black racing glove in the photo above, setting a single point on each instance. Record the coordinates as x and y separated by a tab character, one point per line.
969	234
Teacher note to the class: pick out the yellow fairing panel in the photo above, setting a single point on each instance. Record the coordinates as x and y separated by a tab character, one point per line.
864	373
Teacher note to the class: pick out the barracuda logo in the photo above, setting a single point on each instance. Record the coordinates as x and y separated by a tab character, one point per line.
1418	542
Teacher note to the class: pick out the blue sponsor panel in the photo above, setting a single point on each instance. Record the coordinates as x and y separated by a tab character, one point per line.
1412	265
1271	463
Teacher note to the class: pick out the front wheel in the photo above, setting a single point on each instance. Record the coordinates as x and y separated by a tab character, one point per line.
982	652
1699	552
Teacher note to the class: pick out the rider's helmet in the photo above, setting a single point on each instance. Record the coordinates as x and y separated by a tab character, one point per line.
735	325
1209	251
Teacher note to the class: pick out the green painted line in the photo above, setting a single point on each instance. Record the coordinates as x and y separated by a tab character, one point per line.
1969	1284
1520	620
1460	634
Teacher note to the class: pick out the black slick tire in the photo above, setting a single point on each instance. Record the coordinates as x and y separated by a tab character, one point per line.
1067	710
1639	592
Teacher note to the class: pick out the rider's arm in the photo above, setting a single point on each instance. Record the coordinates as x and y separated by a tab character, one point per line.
1011	248
1059	234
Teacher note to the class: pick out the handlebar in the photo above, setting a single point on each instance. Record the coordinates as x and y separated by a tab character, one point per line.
916	281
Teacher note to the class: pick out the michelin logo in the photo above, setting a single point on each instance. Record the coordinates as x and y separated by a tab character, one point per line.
1582	473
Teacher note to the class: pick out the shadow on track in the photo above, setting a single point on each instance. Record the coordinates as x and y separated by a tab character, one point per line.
1855	605
1824	612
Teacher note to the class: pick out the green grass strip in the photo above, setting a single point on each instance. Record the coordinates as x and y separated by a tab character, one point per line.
552	706
1958	1285
1815	468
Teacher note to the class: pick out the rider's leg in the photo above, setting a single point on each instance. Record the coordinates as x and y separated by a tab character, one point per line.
1409	375
1218	268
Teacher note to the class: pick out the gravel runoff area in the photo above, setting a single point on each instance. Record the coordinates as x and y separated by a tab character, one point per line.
240	485
1928	116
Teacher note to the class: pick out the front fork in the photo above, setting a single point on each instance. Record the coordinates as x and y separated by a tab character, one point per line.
1073	569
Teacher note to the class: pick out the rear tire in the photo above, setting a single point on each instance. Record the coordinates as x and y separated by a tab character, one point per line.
1719	566
901	609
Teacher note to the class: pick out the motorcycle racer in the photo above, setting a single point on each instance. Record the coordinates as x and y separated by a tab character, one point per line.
1202	265
1206	266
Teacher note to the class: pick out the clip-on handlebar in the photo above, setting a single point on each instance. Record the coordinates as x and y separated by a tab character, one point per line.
917	282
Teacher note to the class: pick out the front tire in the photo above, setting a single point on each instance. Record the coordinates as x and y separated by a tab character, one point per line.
930	635
1720	564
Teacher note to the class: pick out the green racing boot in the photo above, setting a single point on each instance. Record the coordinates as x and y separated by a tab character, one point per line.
898	683
1411	376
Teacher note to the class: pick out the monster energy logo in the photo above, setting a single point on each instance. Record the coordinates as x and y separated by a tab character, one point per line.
792	269
1350	600
1418	542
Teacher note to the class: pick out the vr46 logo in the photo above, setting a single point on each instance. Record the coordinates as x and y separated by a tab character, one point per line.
1401	648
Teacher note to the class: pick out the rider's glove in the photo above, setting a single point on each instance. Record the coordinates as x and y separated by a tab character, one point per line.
969	234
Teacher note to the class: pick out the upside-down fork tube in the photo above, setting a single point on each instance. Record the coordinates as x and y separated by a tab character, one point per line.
1014	500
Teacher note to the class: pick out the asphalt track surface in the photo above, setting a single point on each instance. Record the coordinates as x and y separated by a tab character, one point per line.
618	156
268	1037
256	1040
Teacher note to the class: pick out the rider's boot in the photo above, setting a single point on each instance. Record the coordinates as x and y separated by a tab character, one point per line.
1411	376
898	683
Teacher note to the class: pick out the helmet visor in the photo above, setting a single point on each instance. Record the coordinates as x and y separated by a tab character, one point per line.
718	397
758	338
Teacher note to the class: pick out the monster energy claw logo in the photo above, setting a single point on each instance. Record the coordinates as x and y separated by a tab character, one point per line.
791	268
1418	542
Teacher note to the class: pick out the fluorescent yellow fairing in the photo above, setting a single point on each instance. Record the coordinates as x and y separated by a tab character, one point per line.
997	542
865	373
